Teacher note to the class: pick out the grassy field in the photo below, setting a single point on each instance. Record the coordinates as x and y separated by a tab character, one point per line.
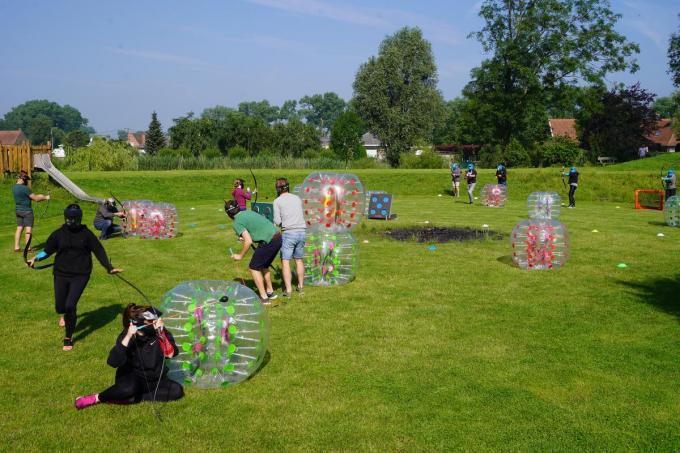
450	349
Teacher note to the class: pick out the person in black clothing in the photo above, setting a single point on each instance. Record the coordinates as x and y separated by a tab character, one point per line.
73	243
103	219
502	175
139	359
573	185
471	177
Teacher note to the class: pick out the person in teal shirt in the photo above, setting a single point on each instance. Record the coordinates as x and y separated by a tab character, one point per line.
23	209
253	228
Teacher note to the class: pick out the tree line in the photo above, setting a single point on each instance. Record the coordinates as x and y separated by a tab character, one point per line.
546	59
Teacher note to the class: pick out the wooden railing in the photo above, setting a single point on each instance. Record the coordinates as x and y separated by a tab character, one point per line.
15	158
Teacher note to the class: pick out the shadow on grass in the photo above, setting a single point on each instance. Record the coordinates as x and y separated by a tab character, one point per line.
95	319
265	361
657	223
506	259
662	293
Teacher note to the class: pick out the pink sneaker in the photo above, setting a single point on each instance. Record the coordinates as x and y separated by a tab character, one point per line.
86	401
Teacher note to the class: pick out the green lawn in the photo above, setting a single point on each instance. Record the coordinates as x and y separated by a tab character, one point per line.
451	349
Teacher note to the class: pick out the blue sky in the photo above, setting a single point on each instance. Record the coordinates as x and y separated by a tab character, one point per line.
118	61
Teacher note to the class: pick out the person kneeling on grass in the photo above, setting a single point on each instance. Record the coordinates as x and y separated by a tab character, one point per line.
139	359
103	219
74	245
251	228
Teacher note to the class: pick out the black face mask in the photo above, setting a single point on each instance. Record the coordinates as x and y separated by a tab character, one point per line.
73	223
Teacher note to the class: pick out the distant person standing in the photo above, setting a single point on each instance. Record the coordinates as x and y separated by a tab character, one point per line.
241	195
502	175
23	209
103	219
669	183
288	214
471	178
455	179
573	185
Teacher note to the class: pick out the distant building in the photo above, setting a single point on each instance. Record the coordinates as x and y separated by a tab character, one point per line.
373	146
468	152
59	151
325	141
137	140
563	127
663	138
13	137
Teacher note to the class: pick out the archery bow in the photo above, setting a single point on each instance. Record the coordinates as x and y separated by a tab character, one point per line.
562	173
47	205
255	183
26	248
663	183
124	219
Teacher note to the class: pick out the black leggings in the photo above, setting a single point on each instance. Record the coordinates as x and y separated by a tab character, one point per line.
67	292
132	386
572	200
669	193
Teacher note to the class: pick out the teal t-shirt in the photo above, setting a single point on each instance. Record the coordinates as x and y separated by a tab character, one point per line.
259	228
22	202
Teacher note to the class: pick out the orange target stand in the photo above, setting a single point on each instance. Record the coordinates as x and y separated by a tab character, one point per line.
649	199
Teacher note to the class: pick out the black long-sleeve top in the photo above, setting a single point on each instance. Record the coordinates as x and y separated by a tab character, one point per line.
74	249
142	356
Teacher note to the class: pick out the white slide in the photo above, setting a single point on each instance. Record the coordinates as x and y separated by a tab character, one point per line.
42	161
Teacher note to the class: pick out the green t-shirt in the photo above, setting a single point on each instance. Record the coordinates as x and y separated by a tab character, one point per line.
21	194
259	228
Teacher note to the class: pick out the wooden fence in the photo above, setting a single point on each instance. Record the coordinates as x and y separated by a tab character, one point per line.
15	158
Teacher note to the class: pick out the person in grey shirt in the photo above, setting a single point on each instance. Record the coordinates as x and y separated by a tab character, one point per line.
103	219
288	215
669	182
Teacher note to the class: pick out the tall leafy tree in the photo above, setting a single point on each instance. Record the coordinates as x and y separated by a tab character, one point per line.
617	123
77	139
346	136
539	48
155	139
667	106
674	56
396	92
288	110
39	130
65	117
292	138
260	109
322	110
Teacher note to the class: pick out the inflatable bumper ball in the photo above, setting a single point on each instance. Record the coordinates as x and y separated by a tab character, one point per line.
136	213
543	205
221	329
494	195
671	211
330	258
160	221
332	202
539	244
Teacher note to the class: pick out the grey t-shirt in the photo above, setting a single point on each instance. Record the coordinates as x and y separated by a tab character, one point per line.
670	182
288	212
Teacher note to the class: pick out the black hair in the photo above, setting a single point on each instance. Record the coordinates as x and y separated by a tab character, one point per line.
231	208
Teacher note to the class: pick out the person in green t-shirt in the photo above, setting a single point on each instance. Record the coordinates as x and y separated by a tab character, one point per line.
252	228
24	212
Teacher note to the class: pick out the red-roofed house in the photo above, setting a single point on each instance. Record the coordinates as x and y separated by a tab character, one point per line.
13	137
137	140
664	137
563	127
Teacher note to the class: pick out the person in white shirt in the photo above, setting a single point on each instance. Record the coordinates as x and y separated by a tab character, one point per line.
289	216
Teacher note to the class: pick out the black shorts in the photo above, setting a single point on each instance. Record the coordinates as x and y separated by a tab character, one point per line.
265	253
24	218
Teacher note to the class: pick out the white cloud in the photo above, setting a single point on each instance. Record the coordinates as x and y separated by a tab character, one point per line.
158	56
322	9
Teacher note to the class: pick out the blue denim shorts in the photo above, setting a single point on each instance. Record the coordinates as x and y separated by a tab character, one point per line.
293	245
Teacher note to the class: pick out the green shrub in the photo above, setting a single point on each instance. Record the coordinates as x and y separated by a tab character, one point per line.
368	162
237	152
102	155
310	153
428	159
561	151
211	153
490	156
516	155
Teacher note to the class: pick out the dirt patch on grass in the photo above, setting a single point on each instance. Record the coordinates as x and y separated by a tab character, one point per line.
439	235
